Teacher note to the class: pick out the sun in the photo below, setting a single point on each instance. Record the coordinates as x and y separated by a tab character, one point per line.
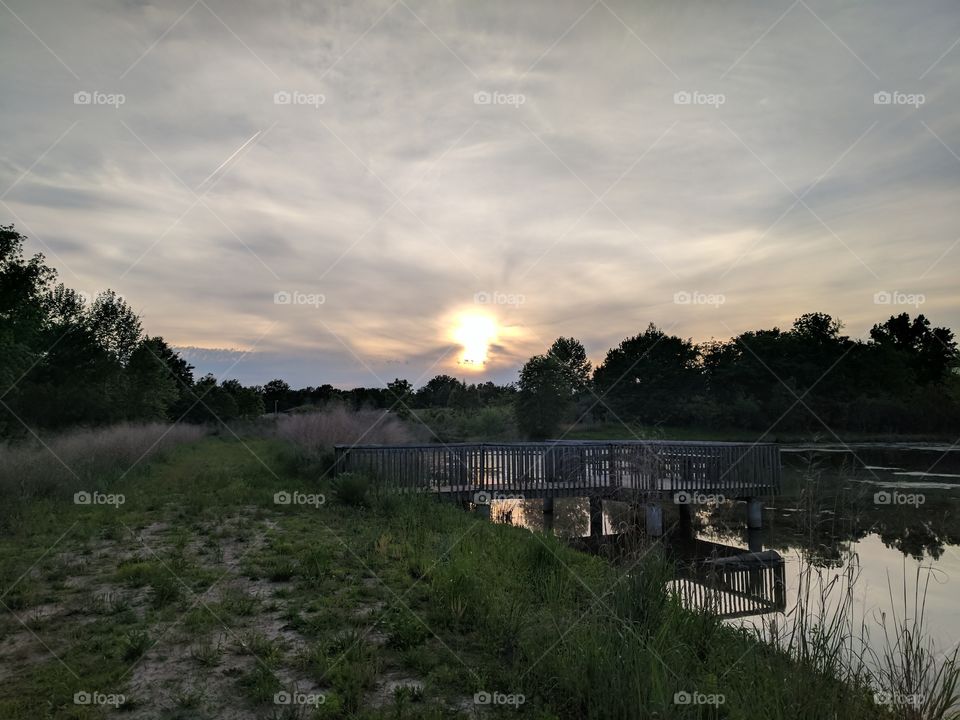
475	332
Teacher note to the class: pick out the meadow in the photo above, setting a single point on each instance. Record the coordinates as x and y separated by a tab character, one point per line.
235	579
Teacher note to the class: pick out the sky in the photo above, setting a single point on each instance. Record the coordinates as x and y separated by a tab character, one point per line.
351	192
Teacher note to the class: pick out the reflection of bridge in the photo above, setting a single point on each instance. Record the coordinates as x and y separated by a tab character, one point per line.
628	470
732	583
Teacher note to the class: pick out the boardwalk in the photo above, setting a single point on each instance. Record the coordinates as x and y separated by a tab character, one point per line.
630	470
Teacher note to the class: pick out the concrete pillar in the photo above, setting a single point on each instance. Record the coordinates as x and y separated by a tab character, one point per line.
654	520
596	517
755	540
754	513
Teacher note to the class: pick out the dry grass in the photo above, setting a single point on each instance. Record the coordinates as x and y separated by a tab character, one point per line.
83	459
316	433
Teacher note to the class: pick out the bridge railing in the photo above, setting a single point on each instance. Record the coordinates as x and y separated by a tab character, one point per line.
556	468
733	589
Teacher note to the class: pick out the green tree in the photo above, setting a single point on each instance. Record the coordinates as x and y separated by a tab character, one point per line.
249	400
438	390
151	389
645	376
400	396
23	314
276	394
573	358
544	396
930	352
115	325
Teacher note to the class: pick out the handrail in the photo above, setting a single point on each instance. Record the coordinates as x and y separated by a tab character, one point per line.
571	467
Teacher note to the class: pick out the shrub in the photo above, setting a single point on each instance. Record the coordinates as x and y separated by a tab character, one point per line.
352	489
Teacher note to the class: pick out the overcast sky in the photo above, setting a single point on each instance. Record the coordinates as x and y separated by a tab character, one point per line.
569	168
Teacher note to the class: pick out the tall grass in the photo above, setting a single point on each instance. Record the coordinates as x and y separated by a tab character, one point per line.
911	674
84	459
315	433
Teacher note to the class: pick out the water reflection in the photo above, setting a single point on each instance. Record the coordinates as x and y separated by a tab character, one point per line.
879	512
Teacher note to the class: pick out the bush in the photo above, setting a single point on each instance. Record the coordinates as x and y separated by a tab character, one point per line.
352	489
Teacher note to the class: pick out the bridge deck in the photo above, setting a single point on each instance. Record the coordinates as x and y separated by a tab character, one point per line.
616	469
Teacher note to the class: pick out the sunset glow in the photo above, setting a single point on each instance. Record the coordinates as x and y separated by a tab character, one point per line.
475	332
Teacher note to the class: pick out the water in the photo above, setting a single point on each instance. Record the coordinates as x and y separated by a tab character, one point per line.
887	510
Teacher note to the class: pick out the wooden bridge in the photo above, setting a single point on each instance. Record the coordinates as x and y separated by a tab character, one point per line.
617	469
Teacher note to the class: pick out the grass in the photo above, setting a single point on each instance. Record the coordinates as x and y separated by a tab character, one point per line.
388	608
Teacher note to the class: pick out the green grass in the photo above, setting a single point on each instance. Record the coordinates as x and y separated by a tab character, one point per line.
200	564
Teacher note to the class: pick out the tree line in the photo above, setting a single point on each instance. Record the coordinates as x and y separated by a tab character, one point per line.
808	378
68	360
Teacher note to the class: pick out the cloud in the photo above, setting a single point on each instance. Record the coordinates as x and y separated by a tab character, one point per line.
387	185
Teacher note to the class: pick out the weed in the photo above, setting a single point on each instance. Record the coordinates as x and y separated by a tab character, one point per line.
135	644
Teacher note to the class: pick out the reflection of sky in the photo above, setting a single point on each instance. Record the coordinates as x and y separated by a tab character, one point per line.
882	569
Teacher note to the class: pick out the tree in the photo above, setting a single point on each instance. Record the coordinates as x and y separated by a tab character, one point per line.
401	393
544	396
646	376
23	313
115	325
275	395
573	358
151	389
437	391
930	352
249	400
212	403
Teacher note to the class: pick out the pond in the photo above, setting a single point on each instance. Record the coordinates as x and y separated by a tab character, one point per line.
881	512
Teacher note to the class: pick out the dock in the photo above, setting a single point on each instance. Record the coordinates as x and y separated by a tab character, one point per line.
635	470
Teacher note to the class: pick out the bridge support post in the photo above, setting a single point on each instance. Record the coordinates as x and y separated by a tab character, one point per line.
484	511
596	516
754	513
654	520
548	513
686	518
